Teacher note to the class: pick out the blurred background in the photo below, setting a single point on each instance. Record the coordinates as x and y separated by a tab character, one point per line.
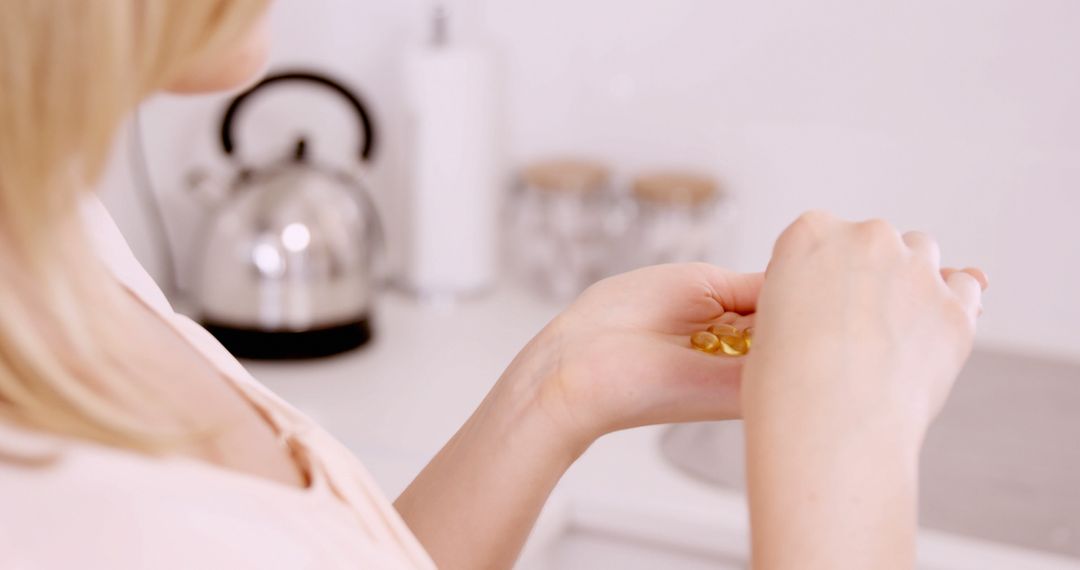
524	149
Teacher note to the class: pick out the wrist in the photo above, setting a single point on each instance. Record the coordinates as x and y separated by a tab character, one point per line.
829	398
529	403
519	425
821	484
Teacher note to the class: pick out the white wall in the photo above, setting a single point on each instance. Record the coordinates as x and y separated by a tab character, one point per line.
959	117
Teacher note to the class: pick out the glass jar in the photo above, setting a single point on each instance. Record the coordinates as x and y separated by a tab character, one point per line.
676	218
559	243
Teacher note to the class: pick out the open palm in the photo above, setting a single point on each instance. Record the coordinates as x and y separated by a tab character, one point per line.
623	353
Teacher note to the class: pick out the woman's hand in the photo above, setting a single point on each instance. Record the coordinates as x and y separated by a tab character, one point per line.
858	340
859	318
620	357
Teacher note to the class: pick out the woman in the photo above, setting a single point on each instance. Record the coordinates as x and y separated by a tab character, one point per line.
129	439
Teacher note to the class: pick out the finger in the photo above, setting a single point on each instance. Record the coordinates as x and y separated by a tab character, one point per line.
804	231
968	290
744	322
737	292
978	274
728	318
876	229
925	246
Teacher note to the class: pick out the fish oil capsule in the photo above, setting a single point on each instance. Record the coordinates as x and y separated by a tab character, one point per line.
734	345
705	341
722	330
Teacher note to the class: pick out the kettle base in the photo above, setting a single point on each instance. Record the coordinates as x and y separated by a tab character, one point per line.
261	344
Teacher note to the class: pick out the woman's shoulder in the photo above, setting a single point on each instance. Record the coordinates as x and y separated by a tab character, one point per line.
61	506
46	476
72	504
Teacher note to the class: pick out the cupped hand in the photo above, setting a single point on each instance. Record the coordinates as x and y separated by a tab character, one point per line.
620	355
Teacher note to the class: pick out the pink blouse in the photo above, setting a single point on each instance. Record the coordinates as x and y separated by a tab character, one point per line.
98	507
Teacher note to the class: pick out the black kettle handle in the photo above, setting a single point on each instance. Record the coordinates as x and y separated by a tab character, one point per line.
367	145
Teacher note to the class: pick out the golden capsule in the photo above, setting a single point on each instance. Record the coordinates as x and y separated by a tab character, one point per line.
748	336
722	330
734	345
705	341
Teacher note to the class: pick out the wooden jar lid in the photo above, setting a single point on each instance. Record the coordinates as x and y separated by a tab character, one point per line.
567	175
676	188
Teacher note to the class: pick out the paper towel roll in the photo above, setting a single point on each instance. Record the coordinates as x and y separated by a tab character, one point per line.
455	171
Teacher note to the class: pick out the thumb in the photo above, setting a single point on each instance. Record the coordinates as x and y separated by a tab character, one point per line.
737	292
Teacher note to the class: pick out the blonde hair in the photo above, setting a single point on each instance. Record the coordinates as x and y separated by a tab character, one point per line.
71	71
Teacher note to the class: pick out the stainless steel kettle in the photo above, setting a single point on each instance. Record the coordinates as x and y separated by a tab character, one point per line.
286	267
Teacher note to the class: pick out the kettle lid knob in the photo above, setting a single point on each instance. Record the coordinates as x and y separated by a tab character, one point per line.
300	152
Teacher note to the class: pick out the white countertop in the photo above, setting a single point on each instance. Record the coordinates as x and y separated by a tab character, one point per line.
397	401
